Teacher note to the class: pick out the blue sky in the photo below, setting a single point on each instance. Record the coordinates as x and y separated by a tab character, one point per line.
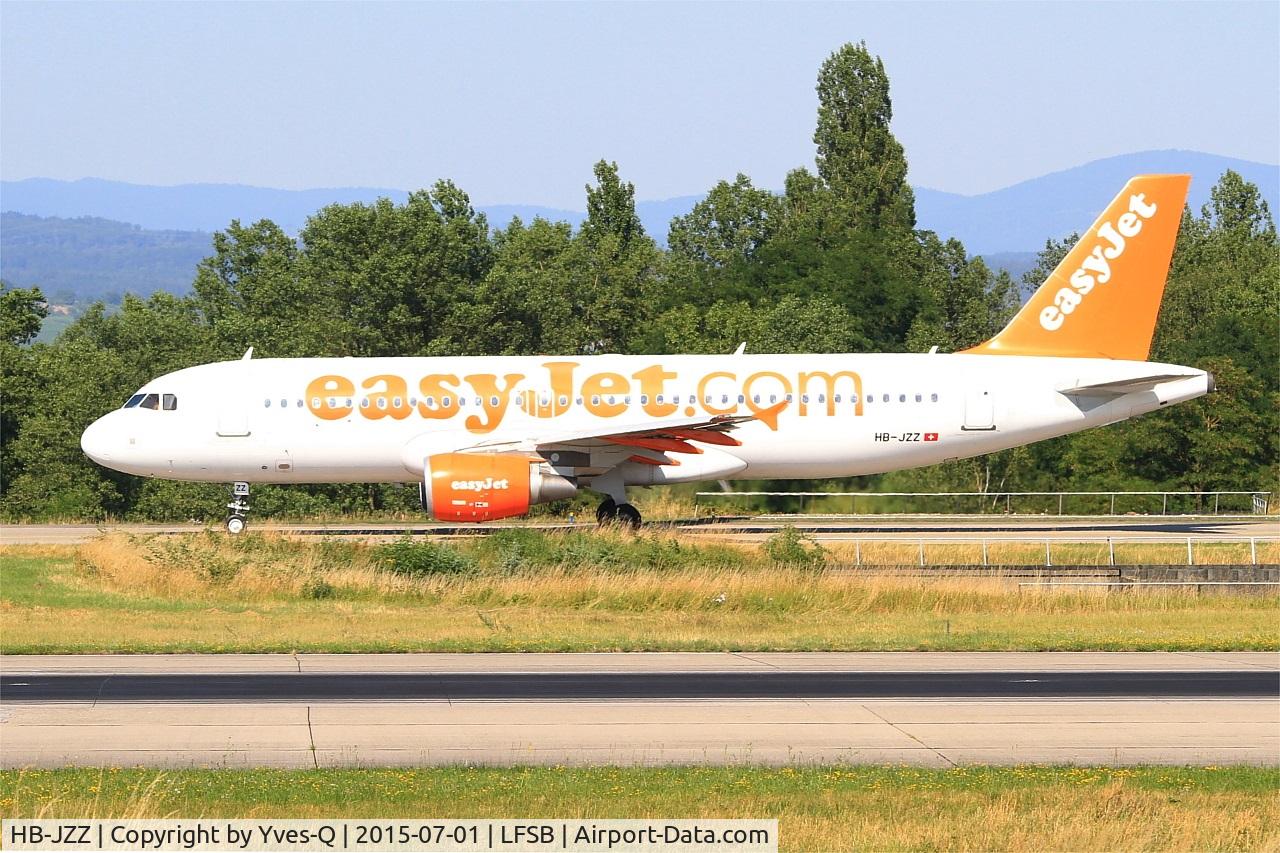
515	102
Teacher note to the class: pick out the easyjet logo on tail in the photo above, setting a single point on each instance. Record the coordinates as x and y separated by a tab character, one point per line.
1096	267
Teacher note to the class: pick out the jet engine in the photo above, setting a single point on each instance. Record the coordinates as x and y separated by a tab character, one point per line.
485	486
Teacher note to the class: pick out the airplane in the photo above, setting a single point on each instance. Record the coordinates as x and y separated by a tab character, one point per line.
488	437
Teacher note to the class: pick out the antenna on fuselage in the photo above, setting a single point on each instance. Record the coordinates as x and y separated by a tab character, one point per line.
248	354
742	347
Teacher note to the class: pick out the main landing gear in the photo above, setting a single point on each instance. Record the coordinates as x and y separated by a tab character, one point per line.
623	515
238	519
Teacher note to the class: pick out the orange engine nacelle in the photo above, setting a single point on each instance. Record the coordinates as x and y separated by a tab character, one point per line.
485	486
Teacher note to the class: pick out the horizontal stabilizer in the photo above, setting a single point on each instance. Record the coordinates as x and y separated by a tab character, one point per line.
1120	387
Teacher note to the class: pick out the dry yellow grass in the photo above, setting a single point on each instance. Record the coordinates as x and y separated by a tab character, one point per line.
818	808
206	592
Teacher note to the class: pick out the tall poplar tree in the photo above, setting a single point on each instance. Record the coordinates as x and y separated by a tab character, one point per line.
859	159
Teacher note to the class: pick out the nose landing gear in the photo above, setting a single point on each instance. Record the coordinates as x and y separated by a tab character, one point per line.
238	519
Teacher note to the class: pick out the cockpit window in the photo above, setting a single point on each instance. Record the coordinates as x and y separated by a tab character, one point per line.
168	402
151	401
133	401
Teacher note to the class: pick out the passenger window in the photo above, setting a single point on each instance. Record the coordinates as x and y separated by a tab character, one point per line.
919	398
884	398
564	401
644	400
133	401
168	402
742	398
284	404
902	398
933	398
265	404
151	401
804	398
364	403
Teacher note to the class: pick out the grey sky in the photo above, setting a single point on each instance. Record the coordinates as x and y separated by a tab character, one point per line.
515	102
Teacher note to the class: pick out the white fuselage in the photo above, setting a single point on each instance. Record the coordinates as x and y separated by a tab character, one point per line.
325	420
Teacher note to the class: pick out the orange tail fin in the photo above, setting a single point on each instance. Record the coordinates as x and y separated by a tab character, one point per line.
1103	299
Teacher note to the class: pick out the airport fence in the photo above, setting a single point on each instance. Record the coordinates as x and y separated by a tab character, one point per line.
1049	552
1010	503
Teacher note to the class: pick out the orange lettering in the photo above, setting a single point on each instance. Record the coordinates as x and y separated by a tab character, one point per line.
766	411
441	390
595	389
328	397
494	400
652	380
558	398
392	401
707	399
831	380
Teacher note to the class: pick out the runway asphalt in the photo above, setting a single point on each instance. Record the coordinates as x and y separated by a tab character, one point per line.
360	686
636	709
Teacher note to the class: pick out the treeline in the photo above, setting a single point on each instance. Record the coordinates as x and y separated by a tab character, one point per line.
86	258
832	264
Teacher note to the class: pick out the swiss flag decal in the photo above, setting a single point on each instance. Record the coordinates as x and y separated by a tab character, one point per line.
930	436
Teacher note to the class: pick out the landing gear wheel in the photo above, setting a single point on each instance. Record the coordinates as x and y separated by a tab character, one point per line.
628	516
237	519
607	512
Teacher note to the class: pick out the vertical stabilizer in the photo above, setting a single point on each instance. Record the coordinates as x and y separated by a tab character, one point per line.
1103	299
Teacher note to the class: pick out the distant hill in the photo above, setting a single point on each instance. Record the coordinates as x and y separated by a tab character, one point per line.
90	257
1021	217
210	207
1014	219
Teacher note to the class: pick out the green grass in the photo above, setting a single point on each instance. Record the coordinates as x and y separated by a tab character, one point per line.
532	591
818	808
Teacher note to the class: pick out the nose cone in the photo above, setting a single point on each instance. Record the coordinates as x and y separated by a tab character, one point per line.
98	440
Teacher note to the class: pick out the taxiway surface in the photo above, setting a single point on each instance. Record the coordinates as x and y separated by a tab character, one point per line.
929	528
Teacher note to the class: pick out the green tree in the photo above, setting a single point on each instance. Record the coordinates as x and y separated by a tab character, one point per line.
383	279
727	227
21	313
611	209
859	159
966	302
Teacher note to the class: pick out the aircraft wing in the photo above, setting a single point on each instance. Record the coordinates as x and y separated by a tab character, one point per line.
675	435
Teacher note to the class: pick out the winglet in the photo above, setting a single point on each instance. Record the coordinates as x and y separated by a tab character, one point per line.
1103	299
